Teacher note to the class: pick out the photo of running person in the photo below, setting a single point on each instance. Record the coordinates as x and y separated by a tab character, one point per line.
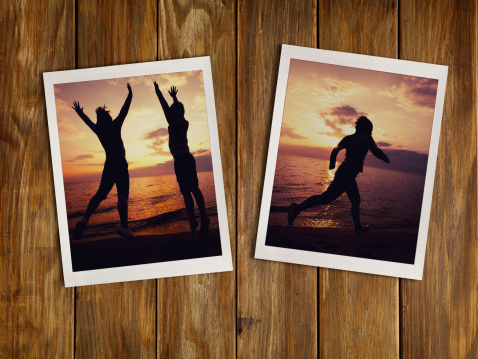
356	147
184	161
327	196
115	169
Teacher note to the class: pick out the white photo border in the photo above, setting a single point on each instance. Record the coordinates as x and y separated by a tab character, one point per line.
141	271
410	271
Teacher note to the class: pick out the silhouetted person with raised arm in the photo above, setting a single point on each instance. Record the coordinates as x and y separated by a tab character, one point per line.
356	147
115	170
184	162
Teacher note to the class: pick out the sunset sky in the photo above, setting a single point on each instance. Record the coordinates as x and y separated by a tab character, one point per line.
144	132
323	101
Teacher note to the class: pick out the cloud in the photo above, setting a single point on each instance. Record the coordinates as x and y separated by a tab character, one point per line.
330	91
81	157
160	132
414	94
158	147
345	110
89	164
160	138
344	115
200	152
383	144
336	131
290	132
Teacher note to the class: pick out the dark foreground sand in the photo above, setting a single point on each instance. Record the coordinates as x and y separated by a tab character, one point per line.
115	251
393	245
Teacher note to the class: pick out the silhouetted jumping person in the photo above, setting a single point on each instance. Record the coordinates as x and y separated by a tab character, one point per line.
356	148
184	162
115	170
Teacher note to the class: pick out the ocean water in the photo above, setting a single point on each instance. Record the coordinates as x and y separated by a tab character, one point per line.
389	199
153	201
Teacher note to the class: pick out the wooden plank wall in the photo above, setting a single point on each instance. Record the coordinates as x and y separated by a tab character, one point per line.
263	309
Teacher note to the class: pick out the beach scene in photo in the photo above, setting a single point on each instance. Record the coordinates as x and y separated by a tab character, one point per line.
323	103
157	213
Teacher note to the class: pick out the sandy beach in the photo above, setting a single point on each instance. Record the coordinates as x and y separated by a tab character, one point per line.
112	250
394	245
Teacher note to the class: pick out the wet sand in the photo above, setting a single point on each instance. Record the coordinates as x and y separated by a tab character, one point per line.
112	250
393	245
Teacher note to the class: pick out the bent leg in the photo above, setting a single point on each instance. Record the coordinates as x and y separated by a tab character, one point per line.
93	205
101	194
333	192
106	185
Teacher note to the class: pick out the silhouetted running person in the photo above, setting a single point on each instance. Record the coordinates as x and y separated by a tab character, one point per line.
115	170
356	148
184	162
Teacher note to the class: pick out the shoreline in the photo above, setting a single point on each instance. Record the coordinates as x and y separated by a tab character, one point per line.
151	246
392	245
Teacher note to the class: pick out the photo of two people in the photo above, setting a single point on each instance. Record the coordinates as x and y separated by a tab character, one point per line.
165	180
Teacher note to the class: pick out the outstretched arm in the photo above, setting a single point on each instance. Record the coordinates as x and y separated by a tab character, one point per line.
162	100
86	119
333	156
124	110
377	152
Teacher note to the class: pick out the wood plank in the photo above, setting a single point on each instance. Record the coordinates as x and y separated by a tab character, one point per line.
36	311
439	316
116	320
359	312
276	302
196	314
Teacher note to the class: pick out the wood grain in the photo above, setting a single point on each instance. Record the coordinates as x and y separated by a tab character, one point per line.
36	311
439	314
116	320
276	302
359	312
196	314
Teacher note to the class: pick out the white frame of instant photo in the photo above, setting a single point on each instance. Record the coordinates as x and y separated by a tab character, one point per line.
142	271
411	271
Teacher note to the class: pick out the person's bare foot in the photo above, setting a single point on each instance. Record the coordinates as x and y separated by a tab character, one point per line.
362	230
292	213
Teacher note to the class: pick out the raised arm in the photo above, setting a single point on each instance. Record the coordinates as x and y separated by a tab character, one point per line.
377	152
162	100
86	119
124	110
174	93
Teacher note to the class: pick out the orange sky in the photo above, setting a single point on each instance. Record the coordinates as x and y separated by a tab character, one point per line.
323	101
144	131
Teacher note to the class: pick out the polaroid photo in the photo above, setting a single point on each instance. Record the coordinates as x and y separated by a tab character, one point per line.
137	170
351	162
